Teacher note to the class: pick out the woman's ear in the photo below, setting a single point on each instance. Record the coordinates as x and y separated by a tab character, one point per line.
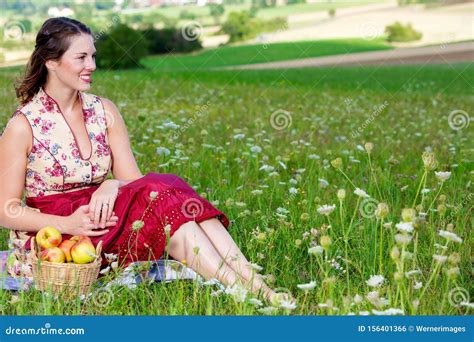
51	65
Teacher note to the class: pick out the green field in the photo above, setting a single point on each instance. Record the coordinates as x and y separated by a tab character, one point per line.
301	120
260	53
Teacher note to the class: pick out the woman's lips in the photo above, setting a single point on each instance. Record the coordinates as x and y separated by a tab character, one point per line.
86	78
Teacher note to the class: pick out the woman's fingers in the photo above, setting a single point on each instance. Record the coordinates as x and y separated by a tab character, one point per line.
98	209
97	232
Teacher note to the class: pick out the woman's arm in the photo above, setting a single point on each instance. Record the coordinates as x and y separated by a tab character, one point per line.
124	166
14	146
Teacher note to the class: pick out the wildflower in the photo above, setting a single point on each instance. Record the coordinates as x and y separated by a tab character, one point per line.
403	239
216	293
316	250
429	160
341	194
137	225
167	229
454	258
326	209
323	183
388	312
375	281
105	270
364	313
110	256
287	305
412	273
361	193
387	225
417	285
374	298
255	301
337	163
405	227
238	292
293	191
304	217
440	258
369	147
298	242
114	265
239	136
308	286
153	195
450	236
163	151
256	192
382	210
256	149
453	272
408	214
443	175
325	241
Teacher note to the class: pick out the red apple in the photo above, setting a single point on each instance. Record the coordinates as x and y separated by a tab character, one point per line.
66	246
48	237
53	254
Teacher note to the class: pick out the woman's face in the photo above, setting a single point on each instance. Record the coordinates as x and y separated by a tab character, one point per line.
76	65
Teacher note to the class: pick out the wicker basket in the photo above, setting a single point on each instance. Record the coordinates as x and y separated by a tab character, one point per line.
64	279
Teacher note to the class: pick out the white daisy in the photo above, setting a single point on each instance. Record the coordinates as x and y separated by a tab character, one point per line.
361	193
308	286
443	175
316	250
440	258
450	236
375	281
406	227
326	209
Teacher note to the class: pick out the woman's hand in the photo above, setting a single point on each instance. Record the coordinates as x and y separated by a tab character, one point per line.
79	223
102	202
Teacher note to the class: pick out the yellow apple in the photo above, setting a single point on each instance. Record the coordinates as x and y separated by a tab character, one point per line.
83	251
53	254
48	237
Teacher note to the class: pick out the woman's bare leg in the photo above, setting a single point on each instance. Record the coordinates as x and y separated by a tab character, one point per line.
231	253
189	242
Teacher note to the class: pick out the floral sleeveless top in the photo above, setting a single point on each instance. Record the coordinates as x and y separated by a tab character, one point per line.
56	164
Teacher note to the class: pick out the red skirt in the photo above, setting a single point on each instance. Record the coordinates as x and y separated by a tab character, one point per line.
155	199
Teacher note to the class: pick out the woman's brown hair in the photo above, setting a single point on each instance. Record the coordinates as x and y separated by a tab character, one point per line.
52	40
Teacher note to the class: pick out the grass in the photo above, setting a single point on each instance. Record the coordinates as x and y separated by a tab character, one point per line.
402	110
260	53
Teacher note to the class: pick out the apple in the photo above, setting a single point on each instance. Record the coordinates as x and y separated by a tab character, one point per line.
83	251
53	254
48	237
66	246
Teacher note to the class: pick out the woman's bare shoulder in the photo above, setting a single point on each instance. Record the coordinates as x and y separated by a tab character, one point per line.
18	133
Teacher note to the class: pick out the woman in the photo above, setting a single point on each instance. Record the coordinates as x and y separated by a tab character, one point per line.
60	145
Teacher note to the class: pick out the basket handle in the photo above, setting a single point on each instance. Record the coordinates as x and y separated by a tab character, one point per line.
98	249
35	248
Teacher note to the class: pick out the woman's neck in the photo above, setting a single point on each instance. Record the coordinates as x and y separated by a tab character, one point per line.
66	99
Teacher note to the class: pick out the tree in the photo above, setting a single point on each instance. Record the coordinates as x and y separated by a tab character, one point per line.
216	11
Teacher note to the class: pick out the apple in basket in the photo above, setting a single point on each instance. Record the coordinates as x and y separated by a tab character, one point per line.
53	254
48	237
83	251
66	246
